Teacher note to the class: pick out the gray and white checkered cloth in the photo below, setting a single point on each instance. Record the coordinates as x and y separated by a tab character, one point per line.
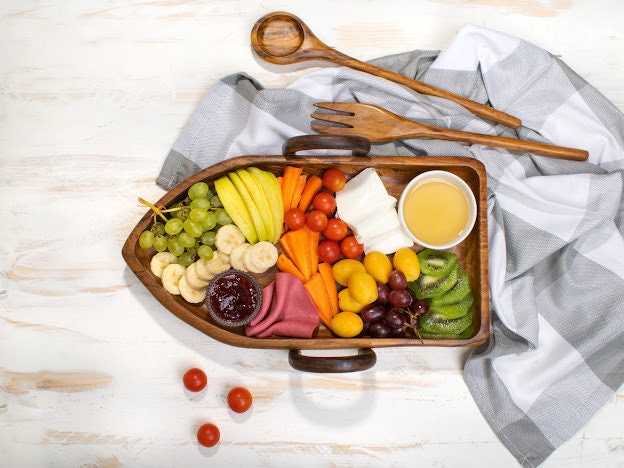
556	352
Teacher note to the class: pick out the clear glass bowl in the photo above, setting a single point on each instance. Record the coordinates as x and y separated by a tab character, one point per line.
233	298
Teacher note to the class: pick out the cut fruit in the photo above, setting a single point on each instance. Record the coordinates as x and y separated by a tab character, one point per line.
427	286
228	237
436	263
432	323
260	257
236	208
171	277
454	310
274	196
260	199
467	333
160	261
252	209
456	293
237	256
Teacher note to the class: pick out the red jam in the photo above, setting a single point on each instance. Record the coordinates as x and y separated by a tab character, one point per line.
233	298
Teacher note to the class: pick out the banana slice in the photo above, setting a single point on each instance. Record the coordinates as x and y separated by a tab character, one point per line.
260	257
225	257
190	294
201	269
228	237
216	265
193	279
160	261
171	277
237	257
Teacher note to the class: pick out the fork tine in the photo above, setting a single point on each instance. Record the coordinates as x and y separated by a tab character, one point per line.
336	106
333	118
333	130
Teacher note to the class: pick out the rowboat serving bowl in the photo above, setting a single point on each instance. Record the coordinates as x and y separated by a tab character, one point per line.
396	173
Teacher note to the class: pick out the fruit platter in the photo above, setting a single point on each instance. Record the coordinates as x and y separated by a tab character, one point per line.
306	252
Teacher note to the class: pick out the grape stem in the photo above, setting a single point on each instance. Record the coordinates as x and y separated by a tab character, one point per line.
157	211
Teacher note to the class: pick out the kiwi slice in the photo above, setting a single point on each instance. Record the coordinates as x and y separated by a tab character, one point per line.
434	324
467	333
436	263
454	310
427	286
456	293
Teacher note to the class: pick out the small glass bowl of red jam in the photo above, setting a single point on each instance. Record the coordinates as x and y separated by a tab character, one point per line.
233	298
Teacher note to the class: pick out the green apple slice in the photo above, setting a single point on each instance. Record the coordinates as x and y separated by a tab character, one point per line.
253	210
260	199
236	208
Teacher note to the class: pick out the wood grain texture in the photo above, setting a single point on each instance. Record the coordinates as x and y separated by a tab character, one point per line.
379	125
92	95
283	38
396	173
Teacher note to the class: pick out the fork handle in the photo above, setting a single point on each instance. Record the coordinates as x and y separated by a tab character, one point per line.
490	140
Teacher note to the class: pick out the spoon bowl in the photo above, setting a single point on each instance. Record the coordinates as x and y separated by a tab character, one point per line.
278	36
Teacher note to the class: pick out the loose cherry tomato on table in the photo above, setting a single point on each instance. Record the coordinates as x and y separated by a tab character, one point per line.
239	399
195	379
334	180
329	251
351	248
336	229
316	220
295	218
325	202
208	435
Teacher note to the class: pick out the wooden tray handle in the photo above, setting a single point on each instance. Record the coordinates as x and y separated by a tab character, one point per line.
364	359
360	146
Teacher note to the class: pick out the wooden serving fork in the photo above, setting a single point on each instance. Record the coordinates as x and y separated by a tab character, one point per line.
380	125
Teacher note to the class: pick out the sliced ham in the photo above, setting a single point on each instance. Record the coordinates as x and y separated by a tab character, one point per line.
287	310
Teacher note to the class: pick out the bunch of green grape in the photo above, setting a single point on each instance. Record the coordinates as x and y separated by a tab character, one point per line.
190	230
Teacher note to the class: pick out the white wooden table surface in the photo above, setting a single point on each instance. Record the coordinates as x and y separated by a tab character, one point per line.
92	95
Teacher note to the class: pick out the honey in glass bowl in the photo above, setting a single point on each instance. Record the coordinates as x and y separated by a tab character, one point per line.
437	209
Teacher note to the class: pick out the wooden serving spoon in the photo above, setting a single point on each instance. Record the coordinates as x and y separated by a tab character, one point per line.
282	38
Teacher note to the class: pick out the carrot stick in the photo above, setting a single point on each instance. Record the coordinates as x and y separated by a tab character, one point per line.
325	270
312	187
288	245
296	245
318	294
301	181
290	177
304	256
279	181
286	265
313	242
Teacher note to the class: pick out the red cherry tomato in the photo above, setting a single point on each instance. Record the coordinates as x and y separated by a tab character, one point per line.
195	379
351	248
239	399
329	251
336	229
334	180
208	435
325	202
316	220
295	218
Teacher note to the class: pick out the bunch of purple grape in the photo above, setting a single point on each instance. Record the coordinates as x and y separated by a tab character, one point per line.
395	311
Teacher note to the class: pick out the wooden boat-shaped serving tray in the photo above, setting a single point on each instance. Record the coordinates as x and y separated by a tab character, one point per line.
395	172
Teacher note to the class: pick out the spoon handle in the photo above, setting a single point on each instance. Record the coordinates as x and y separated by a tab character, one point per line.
478	109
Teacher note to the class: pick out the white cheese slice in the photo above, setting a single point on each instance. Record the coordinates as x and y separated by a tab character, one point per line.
376	225
389	242
362	195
